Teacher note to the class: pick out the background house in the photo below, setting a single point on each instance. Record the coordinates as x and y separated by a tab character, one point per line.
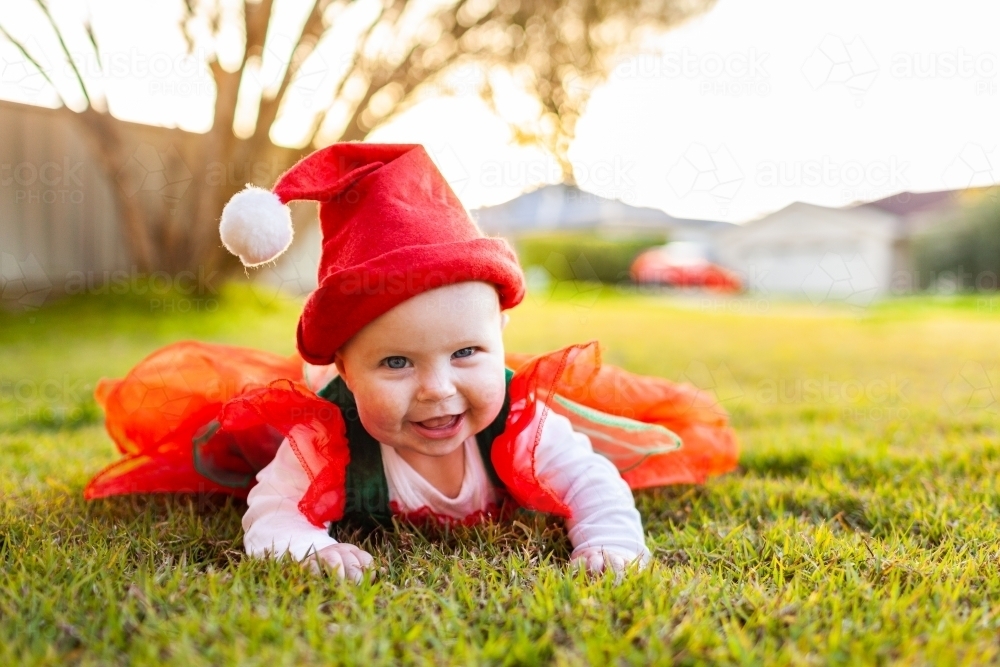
852	254
814	251
568	208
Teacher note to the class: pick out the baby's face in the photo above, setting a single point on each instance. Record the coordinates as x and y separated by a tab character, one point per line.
430	372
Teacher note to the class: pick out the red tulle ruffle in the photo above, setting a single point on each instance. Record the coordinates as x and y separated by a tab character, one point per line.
199	417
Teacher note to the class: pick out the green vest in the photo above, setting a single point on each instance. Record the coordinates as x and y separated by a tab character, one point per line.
366	489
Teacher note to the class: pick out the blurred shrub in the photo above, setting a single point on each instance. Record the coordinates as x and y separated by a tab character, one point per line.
962	254
583	255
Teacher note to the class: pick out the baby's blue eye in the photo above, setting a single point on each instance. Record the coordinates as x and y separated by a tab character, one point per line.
464	352
395	362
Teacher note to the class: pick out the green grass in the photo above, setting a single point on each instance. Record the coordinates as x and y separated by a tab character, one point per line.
861	527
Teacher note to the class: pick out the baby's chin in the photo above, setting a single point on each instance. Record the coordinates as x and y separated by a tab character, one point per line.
435	450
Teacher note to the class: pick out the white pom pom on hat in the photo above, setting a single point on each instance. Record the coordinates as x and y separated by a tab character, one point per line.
256	226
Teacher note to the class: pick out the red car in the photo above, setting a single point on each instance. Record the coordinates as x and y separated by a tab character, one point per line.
682	264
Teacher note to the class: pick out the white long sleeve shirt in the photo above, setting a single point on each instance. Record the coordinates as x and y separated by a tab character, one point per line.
603	512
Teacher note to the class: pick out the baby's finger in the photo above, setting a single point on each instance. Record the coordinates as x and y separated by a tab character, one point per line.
364	558
315	564
585	560
333	560
353	569
312	565
595	563
616	562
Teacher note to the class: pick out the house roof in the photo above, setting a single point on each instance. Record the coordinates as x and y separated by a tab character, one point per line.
912	211
567	207
905	203
804	222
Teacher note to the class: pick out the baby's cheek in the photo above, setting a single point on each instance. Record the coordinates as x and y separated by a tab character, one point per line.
487	402
379	416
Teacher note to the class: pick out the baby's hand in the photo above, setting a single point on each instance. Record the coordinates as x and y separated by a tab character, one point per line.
599	559
346	559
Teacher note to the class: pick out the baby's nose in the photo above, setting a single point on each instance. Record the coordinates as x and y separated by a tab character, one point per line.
435	387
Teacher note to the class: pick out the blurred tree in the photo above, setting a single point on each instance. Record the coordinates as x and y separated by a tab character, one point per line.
557	51
963	254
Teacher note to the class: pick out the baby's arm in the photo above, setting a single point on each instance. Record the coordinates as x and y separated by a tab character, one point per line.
605	527
274	526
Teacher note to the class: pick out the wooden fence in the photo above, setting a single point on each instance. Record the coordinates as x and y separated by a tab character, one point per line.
60	230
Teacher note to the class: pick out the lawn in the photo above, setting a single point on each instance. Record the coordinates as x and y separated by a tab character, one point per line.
860	527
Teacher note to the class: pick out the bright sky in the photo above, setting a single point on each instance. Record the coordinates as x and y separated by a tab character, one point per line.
747	108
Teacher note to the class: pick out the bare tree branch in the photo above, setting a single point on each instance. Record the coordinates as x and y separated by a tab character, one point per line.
27	56
89	29
183	24
353	130
267	110
69	57
360	43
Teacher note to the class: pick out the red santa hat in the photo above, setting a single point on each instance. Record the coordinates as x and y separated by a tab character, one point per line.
392	228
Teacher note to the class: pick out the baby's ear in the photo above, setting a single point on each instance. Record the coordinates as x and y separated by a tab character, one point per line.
504	319
338	361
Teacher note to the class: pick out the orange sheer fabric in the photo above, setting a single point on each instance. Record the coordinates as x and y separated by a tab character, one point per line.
199	417
155	412
656	432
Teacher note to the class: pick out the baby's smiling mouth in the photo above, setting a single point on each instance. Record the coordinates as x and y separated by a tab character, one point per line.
442	422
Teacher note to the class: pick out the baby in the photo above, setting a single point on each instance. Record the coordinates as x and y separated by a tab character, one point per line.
428	375
409	311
